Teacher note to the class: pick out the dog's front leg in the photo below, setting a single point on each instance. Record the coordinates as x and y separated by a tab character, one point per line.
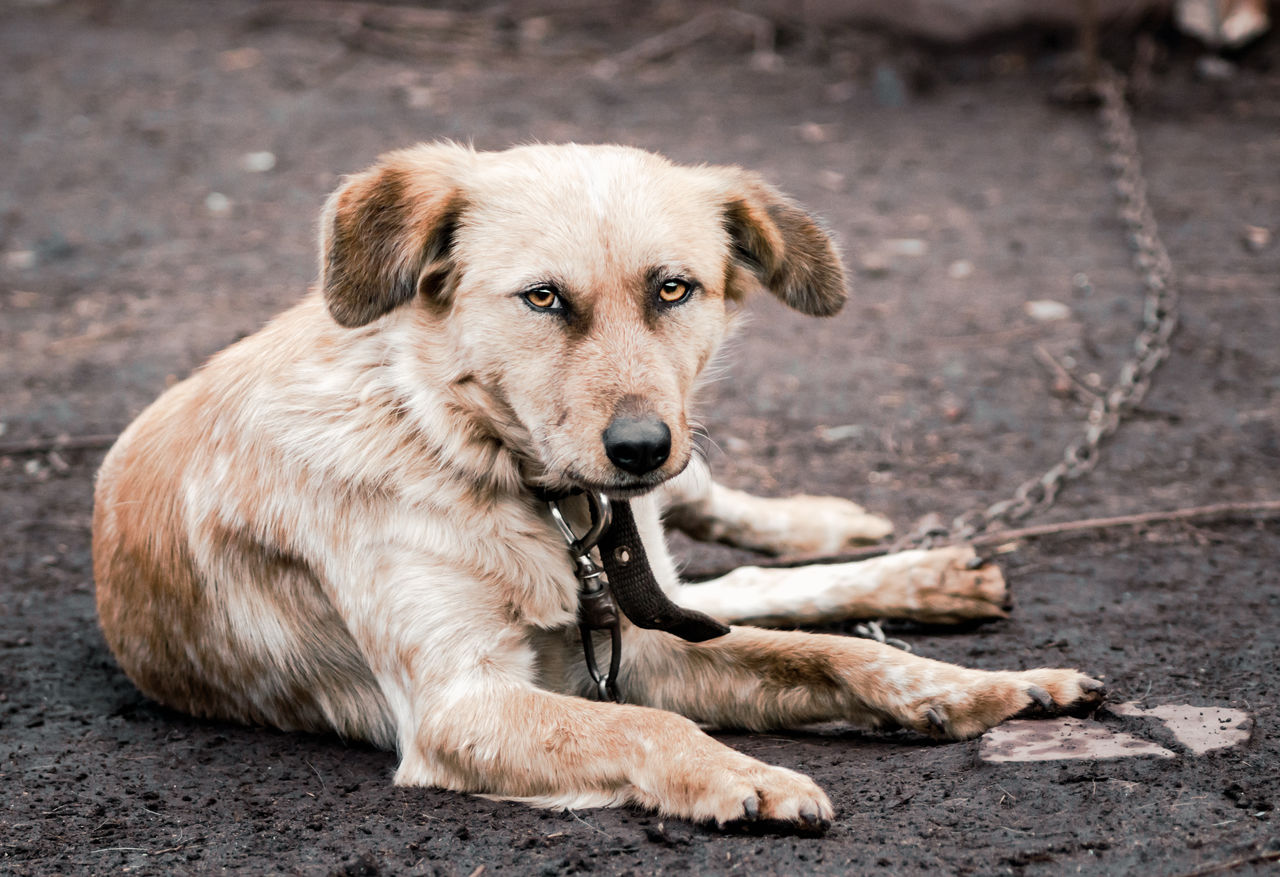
762	679
518	742
934	586
457	670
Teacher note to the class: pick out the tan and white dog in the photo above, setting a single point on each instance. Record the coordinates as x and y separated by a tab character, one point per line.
331	526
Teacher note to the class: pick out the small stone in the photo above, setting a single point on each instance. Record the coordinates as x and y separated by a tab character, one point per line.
913	247
258	162
888	87
1046	310
840	433
1214	69
418	97
1256	238
20	260
217	203
812	132
239	59
953	407
1199	728
1061	739
832	181
960	269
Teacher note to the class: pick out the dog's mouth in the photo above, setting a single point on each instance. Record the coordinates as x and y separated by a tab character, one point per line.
621	487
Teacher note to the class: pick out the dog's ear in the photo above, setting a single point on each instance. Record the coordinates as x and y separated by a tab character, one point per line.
782	247
387	233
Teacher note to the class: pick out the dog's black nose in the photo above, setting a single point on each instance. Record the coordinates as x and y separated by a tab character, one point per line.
637	445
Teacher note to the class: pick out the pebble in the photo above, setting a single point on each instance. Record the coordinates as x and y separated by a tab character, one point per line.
258	162
1199	728
20	260
1046	310
1256	238
1062	739
832	181
812	132
1214	69
906	247
960	269
239	59
217	203
888	87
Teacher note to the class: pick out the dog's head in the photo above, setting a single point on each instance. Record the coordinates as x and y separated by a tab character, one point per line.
572	294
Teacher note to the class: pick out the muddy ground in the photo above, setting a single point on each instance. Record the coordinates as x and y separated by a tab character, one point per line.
142	229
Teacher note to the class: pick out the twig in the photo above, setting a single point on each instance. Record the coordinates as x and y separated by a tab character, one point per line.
1218	511
1232	864
588	824
710	23
1064	381
181	846
365	14
323	786
58	443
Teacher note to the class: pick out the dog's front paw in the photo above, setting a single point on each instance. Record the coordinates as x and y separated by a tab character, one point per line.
951	585
836	524
987	699
811	525
747	791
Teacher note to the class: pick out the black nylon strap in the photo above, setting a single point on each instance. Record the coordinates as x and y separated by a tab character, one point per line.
637	591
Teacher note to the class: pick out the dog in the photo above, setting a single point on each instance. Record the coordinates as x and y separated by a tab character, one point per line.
338	523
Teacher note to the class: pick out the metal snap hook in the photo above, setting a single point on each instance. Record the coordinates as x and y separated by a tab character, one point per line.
601	515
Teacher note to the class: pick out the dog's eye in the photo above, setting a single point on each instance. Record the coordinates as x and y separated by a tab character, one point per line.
544	298
673	291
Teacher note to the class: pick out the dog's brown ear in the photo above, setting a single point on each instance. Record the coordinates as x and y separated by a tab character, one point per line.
783	248
387	233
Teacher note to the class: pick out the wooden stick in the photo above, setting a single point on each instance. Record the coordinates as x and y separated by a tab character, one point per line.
1231	865
58	443
1220	511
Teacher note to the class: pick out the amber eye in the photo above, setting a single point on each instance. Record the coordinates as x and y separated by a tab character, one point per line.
673	291
544	298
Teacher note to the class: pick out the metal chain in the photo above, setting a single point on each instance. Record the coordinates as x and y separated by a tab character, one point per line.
1150	348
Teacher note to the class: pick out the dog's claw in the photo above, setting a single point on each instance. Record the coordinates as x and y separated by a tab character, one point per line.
751	807
936	720
811	819
1042	698
1093	686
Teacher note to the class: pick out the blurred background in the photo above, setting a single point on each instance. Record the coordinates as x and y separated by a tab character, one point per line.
164	162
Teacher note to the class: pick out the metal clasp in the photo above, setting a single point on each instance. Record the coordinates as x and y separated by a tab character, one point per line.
596	609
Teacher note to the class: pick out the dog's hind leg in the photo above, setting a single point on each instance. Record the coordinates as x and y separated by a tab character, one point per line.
934	586
762	679
796	525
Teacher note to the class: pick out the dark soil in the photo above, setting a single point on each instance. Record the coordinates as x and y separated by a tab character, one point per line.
119	120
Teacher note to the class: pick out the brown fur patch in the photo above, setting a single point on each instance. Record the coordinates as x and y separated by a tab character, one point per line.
387	238
785	249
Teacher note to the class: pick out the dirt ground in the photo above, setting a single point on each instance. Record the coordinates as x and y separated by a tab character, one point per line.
164	164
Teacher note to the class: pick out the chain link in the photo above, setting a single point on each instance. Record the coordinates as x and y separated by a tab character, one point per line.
1150	348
